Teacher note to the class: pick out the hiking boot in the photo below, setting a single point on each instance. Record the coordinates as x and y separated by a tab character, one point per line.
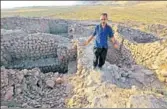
94	67
100	68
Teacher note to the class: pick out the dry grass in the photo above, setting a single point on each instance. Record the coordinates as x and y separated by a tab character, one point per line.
151	12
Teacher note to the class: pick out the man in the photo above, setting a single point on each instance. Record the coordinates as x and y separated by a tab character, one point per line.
101	34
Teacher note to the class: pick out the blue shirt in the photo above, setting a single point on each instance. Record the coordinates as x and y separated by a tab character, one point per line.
101	36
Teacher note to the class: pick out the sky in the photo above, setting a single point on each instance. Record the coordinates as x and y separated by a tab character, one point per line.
13	4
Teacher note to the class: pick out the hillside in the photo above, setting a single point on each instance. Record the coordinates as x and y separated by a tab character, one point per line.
111	3
140	12
139	15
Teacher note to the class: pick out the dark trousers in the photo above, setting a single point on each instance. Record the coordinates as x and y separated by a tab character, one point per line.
99	56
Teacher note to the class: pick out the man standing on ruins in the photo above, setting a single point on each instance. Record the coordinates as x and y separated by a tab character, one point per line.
101	34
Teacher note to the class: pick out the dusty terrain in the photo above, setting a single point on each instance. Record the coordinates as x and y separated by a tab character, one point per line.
35	51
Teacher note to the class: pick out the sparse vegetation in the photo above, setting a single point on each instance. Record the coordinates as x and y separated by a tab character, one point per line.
151	12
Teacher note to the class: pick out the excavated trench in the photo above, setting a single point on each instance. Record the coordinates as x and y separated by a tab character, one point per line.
46	43
51	46
123	56
29	42
34	52
136	36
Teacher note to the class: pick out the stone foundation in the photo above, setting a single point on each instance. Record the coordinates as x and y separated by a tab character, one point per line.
28	43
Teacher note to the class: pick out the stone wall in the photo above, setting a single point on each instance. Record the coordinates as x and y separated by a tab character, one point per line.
34	25
151	54
136	36
27	43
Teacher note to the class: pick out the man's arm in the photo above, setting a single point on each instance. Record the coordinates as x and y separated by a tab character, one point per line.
88	41
90	38
114	42
112	39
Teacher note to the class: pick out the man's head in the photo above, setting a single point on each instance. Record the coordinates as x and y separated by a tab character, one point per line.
104	18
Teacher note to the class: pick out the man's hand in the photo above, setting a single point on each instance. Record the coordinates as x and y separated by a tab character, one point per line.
87	42
114	43
83	44
116	46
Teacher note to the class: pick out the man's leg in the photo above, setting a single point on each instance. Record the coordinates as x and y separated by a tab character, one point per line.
102	57
96	57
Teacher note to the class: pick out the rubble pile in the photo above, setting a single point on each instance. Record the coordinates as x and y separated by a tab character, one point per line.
32	88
